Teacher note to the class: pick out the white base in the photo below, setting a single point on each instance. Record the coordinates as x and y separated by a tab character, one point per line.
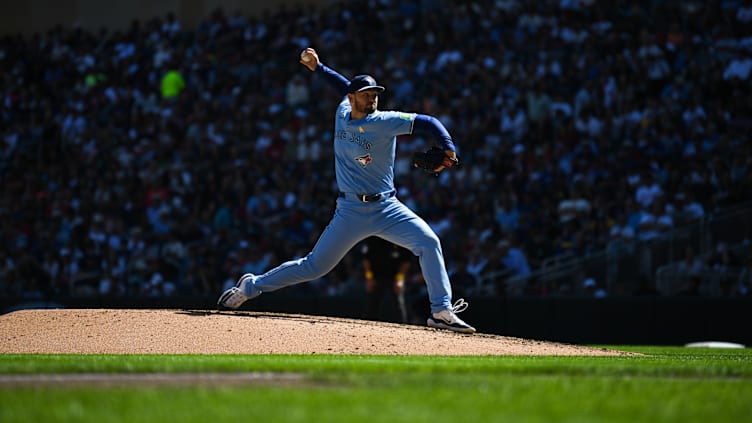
714	344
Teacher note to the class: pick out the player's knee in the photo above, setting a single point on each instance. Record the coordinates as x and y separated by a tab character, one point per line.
316	268
315	271
429	243
433	241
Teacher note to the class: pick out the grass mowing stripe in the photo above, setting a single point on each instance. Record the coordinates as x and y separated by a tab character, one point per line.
663	362
413	397
148	379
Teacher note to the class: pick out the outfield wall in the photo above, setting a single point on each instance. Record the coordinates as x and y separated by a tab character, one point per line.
631	321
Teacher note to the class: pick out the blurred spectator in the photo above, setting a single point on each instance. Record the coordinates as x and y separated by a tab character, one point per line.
476	262
172	83
296	92
592	289
385	268
507	214
621	233
648	190
687	209
574	206
34	281
744	283
464	283
691	265
655	222
722	258
515	263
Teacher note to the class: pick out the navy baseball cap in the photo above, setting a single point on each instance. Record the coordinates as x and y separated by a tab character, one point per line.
362	83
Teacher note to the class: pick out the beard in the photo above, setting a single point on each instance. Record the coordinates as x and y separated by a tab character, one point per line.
366	107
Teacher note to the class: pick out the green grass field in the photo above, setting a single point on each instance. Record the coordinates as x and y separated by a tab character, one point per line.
671	384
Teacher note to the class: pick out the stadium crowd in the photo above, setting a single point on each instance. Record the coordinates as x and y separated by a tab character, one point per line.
162	160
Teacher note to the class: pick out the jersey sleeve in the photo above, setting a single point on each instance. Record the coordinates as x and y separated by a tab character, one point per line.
431	125
333	78
343	108
398	123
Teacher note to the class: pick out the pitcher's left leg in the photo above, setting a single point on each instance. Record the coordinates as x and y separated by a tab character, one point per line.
405	228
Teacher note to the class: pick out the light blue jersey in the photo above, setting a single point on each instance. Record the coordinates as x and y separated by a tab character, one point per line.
364	149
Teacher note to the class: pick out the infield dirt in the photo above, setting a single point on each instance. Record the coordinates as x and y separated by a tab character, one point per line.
128	331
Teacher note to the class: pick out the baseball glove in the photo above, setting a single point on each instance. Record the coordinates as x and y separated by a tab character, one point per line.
429	160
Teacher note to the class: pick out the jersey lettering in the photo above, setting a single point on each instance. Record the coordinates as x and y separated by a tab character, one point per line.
355	138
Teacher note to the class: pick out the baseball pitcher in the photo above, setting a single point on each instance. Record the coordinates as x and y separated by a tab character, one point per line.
364	149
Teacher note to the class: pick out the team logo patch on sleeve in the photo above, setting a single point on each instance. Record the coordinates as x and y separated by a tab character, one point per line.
364	160
406	116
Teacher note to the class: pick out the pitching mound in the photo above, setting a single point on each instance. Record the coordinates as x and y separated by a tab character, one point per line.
98	331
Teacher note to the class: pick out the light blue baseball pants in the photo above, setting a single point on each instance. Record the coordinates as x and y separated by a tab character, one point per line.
354	221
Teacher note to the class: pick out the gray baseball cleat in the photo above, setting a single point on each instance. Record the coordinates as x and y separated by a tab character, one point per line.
235	297
447	319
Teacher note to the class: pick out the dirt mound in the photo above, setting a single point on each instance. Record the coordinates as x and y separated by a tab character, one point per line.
105	331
